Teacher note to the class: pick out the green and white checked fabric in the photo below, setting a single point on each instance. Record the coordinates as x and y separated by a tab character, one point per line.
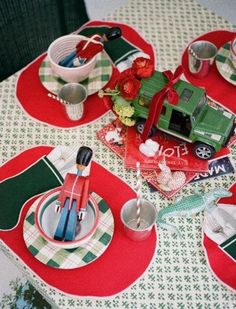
70	258
179	276
98	78
224	64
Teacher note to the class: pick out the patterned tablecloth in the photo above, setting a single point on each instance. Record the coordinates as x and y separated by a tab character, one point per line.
179	276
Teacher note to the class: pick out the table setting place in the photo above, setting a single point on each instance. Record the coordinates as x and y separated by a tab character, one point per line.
78	227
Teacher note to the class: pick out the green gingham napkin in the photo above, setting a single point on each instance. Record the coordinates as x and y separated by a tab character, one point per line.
70	258
224	64
97	79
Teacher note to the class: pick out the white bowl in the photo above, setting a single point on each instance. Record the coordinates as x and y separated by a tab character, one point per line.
62	47
46	220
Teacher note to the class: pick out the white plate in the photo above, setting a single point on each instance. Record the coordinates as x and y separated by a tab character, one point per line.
61	258
97	79
224	64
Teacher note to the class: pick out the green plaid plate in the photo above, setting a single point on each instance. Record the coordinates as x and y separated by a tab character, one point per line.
70	258
97	79
224	64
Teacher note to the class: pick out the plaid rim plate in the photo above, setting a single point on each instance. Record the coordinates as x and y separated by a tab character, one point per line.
224	64
70	258
97	79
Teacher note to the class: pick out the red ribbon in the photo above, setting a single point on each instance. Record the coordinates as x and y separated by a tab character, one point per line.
157	101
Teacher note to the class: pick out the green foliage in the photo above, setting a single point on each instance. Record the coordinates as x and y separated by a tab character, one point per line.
24	296
124	110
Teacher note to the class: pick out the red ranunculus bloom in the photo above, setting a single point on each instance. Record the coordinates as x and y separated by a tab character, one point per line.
142	67
129	87
125	73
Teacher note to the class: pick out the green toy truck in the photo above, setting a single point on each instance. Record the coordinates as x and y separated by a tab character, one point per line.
192	119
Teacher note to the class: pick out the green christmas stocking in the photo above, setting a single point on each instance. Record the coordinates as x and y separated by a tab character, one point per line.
121	51
15	191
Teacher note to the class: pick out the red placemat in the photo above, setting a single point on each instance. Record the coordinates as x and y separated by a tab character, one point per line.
120	266
222	266
32	95
217	88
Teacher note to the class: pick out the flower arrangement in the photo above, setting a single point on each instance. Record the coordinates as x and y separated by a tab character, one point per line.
127	88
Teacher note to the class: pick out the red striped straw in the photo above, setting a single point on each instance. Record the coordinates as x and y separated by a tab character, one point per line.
138	192
55	97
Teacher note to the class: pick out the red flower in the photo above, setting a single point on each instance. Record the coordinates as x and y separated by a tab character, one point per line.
142	67
129	86
125	73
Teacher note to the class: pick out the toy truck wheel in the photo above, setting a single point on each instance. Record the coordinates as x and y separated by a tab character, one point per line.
203	151
140	123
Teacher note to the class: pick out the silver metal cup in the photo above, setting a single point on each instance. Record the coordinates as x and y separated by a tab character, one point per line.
73	96
201	55
128	216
